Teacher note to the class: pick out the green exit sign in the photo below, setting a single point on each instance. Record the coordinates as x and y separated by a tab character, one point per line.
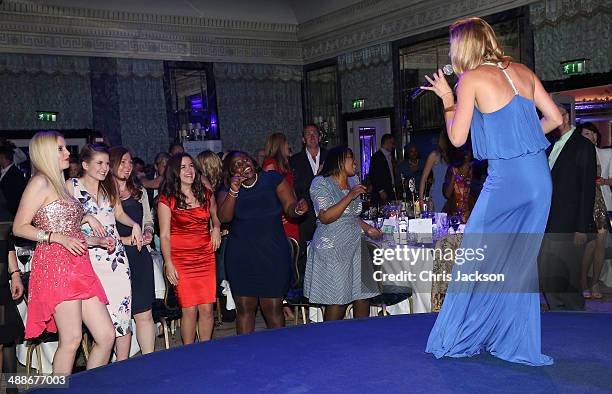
358	104
46	116
574	67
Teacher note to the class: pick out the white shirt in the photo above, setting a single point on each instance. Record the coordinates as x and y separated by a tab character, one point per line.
389	162
314	164
4	171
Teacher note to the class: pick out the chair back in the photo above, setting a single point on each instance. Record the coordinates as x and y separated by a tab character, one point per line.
295	256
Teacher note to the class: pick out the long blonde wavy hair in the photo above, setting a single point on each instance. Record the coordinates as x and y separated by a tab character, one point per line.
472	42
211	166
44	156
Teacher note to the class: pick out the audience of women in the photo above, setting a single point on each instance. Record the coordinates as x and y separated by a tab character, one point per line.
436	163
135	203
334	266
185	209
97	192
64	290
594	251
258	255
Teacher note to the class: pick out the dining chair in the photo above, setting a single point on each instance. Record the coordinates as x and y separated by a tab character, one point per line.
389	294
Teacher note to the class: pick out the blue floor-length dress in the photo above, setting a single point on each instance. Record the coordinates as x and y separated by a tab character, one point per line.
501	317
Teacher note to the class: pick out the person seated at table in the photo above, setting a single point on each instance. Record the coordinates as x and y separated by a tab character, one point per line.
258	255
458	183
334	264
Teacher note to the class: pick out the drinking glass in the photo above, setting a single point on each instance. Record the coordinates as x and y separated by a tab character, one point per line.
455	222
24	255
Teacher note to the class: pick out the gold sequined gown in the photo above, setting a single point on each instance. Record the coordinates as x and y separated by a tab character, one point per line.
57	275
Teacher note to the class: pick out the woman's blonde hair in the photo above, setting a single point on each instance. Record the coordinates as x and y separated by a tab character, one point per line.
44	156
211	166
274	150
472	42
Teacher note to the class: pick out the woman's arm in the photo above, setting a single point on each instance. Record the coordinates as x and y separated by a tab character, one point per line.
429	163
147	217
37	193
370	231
551	117
126	220
291	207
228	201
331	214
164	216
15	276
215	233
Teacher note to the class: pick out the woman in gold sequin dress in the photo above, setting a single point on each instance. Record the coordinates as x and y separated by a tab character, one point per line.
64	291
97	192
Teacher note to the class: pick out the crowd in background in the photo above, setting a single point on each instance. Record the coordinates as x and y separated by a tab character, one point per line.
217	217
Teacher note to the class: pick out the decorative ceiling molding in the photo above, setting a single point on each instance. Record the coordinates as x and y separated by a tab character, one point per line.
373	22
34	28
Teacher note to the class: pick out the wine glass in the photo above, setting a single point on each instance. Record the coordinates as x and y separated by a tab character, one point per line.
455	222
24	255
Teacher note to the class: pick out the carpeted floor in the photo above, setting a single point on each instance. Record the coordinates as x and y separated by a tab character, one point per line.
369	355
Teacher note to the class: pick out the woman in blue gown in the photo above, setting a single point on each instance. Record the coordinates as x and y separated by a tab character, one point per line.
497	99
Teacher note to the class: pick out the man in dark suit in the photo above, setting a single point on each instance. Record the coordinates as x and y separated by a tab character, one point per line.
12	180
573	168
382	173
305	166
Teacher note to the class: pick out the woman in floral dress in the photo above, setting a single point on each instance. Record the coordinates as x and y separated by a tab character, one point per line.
97	192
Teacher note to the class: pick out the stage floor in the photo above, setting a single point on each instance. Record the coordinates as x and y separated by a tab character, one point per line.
384	354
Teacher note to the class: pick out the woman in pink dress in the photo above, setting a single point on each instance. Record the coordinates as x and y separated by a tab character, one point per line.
64	291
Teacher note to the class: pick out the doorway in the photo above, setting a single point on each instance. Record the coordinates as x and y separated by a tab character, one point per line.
364	137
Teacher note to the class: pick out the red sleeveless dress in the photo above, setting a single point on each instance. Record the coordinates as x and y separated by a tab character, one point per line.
290	225
192	253
57	275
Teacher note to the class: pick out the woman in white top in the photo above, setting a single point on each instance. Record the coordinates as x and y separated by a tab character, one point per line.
595	249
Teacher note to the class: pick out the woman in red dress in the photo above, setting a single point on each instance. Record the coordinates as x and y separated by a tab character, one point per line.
65	292
277	159
184	210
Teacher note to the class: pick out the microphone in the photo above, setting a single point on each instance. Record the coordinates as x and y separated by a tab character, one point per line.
447	70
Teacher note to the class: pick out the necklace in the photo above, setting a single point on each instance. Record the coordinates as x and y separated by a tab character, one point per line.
252	184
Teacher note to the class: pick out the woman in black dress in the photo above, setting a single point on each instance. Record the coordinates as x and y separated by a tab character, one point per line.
135	203
258	256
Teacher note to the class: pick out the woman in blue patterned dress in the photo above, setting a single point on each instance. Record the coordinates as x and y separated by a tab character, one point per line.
334	264
497	100
96	190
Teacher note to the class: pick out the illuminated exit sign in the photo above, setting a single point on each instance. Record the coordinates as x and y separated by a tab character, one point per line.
358	104
574	67
46	116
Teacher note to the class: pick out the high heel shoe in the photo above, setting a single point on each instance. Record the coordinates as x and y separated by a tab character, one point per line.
596	292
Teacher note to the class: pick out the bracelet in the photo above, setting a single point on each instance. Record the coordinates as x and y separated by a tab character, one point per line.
449	109
41	236
17	270
296	211
233	193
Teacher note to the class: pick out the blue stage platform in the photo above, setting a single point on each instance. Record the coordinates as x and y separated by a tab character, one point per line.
370	355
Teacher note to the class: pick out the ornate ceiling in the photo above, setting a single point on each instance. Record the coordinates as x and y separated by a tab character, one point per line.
237	31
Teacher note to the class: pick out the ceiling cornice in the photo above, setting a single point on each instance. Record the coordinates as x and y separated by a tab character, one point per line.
27	27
